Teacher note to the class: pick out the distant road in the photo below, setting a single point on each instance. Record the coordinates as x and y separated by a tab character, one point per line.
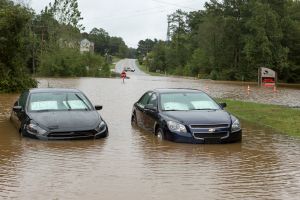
129	63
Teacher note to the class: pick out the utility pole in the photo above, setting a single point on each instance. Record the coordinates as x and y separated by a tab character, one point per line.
168	31
33	55
33	48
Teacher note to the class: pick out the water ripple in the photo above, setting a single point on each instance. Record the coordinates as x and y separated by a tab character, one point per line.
132	164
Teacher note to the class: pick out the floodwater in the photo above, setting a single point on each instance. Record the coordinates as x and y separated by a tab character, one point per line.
132	164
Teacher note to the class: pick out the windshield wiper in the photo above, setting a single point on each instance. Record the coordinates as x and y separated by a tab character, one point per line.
87	107
67	102
204	109
175	110
44	110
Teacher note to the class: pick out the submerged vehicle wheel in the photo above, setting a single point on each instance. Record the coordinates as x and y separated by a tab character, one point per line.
159	134
133	120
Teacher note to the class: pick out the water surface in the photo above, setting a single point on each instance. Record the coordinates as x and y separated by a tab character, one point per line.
132	164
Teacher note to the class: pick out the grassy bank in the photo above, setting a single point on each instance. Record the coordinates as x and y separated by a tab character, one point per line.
280	118
144	69
114	61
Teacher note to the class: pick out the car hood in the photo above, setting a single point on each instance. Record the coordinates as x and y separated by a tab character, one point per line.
200	116
67	120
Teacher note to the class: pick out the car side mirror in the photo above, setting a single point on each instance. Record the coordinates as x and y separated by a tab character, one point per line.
223	105
150	107
17	109
98	107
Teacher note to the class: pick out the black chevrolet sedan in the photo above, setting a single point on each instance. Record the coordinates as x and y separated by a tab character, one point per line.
185	115
57	114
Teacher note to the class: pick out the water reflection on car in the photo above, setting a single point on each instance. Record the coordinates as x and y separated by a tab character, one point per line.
185	115
53	113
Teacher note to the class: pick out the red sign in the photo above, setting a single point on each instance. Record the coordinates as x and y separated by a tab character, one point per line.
268	81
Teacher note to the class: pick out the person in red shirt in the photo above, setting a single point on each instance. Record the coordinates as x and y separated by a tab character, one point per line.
123	75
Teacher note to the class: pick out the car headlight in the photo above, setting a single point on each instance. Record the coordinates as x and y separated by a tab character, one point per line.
101	127
174	126
236	126
35	129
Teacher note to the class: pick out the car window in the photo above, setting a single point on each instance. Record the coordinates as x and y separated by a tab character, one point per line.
187	101
144	100
23	99
58	101
153	100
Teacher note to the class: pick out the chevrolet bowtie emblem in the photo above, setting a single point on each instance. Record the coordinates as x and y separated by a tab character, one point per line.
211	130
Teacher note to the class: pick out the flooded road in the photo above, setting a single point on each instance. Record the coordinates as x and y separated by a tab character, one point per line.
132	164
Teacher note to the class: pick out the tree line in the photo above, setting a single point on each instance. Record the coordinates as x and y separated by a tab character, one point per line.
229	40
48	43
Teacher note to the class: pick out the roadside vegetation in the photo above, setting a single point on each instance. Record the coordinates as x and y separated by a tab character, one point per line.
14	43
279	118
48	44
115	59
144	68
229	40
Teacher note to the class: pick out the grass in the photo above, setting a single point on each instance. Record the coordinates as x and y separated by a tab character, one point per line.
280	118
144	69
114	61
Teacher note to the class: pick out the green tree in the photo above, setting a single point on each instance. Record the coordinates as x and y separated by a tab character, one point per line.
118	47
263	42
157	58
179	30
231	39
66	12
291	40
101	39
14	54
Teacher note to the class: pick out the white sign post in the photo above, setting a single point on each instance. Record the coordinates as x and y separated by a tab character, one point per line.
267	77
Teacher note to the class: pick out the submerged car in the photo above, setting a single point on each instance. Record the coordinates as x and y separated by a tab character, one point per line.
57	114
186	116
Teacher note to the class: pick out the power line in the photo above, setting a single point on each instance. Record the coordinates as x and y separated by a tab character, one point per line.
173	4
129	12
130	16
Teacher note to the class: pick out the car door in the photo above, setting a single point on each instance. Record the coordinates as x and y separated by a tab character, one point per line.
18	117
151	113
140	111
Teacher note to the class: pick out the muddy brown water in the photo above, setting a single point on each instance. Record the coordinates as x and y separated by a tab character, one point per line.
132	164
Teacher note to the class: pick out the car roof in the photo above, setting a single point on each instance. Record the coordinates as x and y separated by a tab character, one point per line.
40	90
175	90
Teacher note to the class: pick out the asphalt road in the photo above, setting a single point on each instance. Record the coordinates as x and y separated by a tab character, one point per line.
129	63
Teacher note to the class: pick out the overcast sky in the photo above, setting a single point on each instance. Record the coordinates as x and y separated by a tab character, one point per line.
133	20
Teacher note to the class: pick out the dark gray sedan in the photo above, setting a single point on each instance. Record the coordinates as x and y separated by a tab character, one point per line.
53	113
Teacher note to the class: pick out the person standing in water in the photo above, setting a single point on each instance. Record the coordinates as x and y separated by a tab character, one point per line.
123	75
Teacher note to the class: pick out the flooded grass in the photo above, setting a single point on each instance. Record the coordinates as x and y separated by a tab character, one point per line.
280	118
114	61
144	69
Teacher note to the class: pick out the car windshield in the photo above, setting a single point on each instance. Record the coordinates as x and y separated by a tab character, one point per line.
187	101
52	101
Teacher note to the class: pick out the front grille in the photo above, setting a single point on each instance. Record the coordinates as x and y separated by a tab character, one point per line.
73	134
209	126
210	135
210	131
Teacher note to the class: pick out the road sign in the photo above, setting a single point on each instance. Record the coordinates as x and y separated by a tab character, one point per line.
267	77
